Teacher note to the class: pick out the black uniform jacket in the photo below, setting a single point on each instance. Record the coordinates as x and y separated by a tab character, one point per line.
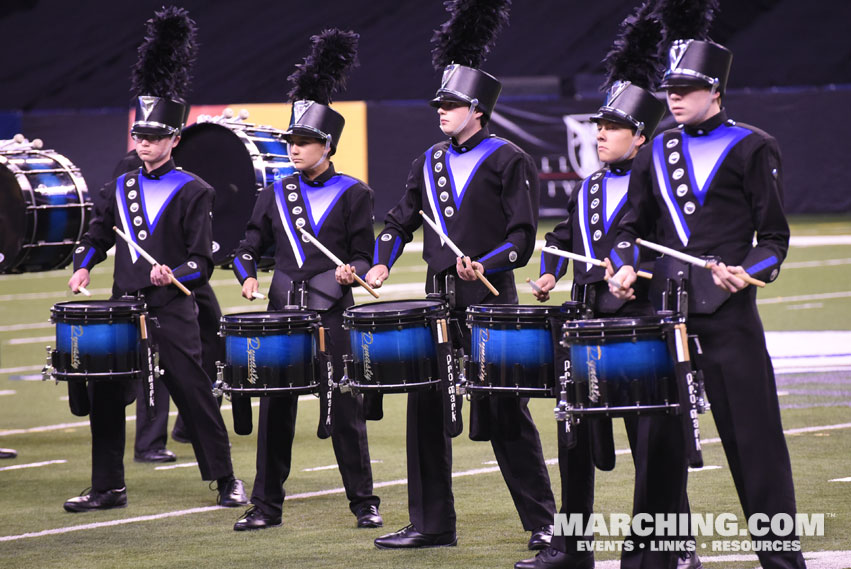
335	208
484	196
167	213
707	191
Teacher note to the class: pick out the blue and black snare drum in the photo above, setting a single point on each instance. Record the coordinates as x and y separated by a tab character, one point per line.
44	209
97	340
393	345
622	366
270	353
512	347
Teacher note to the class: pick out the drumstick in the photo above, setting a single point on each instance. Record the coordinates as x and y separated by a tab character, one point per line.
697	261
84	290
336	260
584	259
150	259
259	295
534	286
458	252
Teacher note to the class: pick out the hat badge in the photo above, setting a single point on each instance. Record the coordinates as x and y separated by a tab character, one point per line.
147	105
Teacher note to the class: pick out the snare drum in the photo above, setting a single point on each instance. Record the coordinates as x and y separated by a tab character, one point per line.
97	340
44	209
270	353
512	347
622	366
238	159
393	345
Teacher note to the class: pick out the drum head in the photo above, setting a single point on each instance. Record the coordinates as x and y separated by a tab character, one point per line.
96	310
13	220
519	314
220	158
620	326
278	320
394	312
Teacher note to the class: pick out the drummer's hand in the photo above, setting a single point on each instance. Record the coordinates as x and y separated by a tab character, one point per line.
80	278
726	277
546	283
466	268
345	274
249	287
626	277
377	275
160	275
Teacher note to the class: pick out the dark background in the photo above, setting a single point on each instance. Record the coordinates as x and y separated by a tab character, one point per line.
65	73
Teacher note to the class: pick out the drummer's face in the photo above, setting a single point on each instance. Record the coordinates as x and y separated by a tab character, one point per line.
305	151
155	151
614	141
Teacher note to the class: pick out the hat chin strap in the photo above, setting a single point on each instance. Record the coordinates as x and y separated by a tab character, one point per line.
473	105
712	91
318	162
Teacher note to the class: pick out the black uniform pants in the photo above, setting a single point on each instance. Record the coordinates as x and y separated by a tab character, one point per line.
152	434
178	340
741	388
276	431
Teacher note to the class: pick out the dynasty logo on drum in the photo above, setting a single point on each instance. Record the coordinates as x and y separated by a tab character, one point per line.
594	356
252	344
367	364
76	332
484	338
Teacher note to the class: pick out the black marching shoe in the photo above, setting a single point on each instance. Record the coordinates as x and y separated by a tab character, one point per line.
368	517
541	538
95	500
408	536
689	560
8	453
155	455
255	518
232	494
551	558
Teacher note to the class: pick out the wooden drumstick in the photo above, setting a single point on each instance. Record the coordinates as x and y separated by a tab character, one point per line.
586	259
336	260
150	259
697	261
84	291
259	295
321	339
458	252
534	285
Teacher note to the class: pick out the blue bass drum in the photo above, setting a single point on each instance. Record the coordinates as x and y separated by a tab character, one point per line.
270	353
44	209
512	347
393	346
97	340
622	366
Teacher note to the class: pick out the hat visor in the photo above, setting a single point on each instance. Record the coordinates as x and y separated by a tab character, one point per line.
610	117
151	130
301	131
683	81
447	97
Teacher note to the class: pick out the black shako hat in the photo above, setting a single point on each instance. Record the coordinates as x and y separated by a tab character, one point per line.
692	58
161	76
461	45
633	68
323	72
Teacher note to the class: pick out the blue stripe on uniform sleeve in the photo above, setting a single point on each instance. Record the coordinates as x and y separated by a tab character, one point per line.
762	265
190	277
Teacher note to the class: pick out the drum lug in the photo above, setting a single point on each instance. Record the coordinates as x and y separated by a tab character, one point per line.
47	371
345	385
462	376
157	371
220	380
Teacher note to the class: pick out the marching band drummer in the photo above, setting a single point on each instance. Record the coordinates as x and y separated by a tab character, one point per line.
707	188
337	209
625	123
167	212
483	190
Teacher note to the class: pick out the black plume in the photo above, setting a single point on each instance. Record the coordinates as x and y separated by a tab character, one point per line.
324	71
634	55
686	19
470	33
166	55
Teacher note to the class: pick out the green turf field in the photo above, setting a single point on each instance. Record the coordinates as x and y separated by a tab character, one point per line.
812	294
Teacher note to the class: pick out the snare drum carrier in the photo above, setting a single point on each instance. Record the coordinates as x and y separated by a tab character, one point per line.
270	353
98	340
44	208
512	348
394	345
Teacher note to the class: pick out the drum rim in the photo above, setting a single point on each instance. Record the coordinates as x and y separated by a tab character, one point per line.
622	323
353	314
253	319
96	309
504	312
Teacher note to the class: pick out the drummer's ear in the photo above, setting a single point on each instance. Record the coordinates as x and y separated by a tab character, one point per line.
175	142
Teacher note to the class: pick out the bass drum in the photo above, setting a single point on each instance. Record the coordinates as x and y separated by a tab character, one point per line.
44	209
238	159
